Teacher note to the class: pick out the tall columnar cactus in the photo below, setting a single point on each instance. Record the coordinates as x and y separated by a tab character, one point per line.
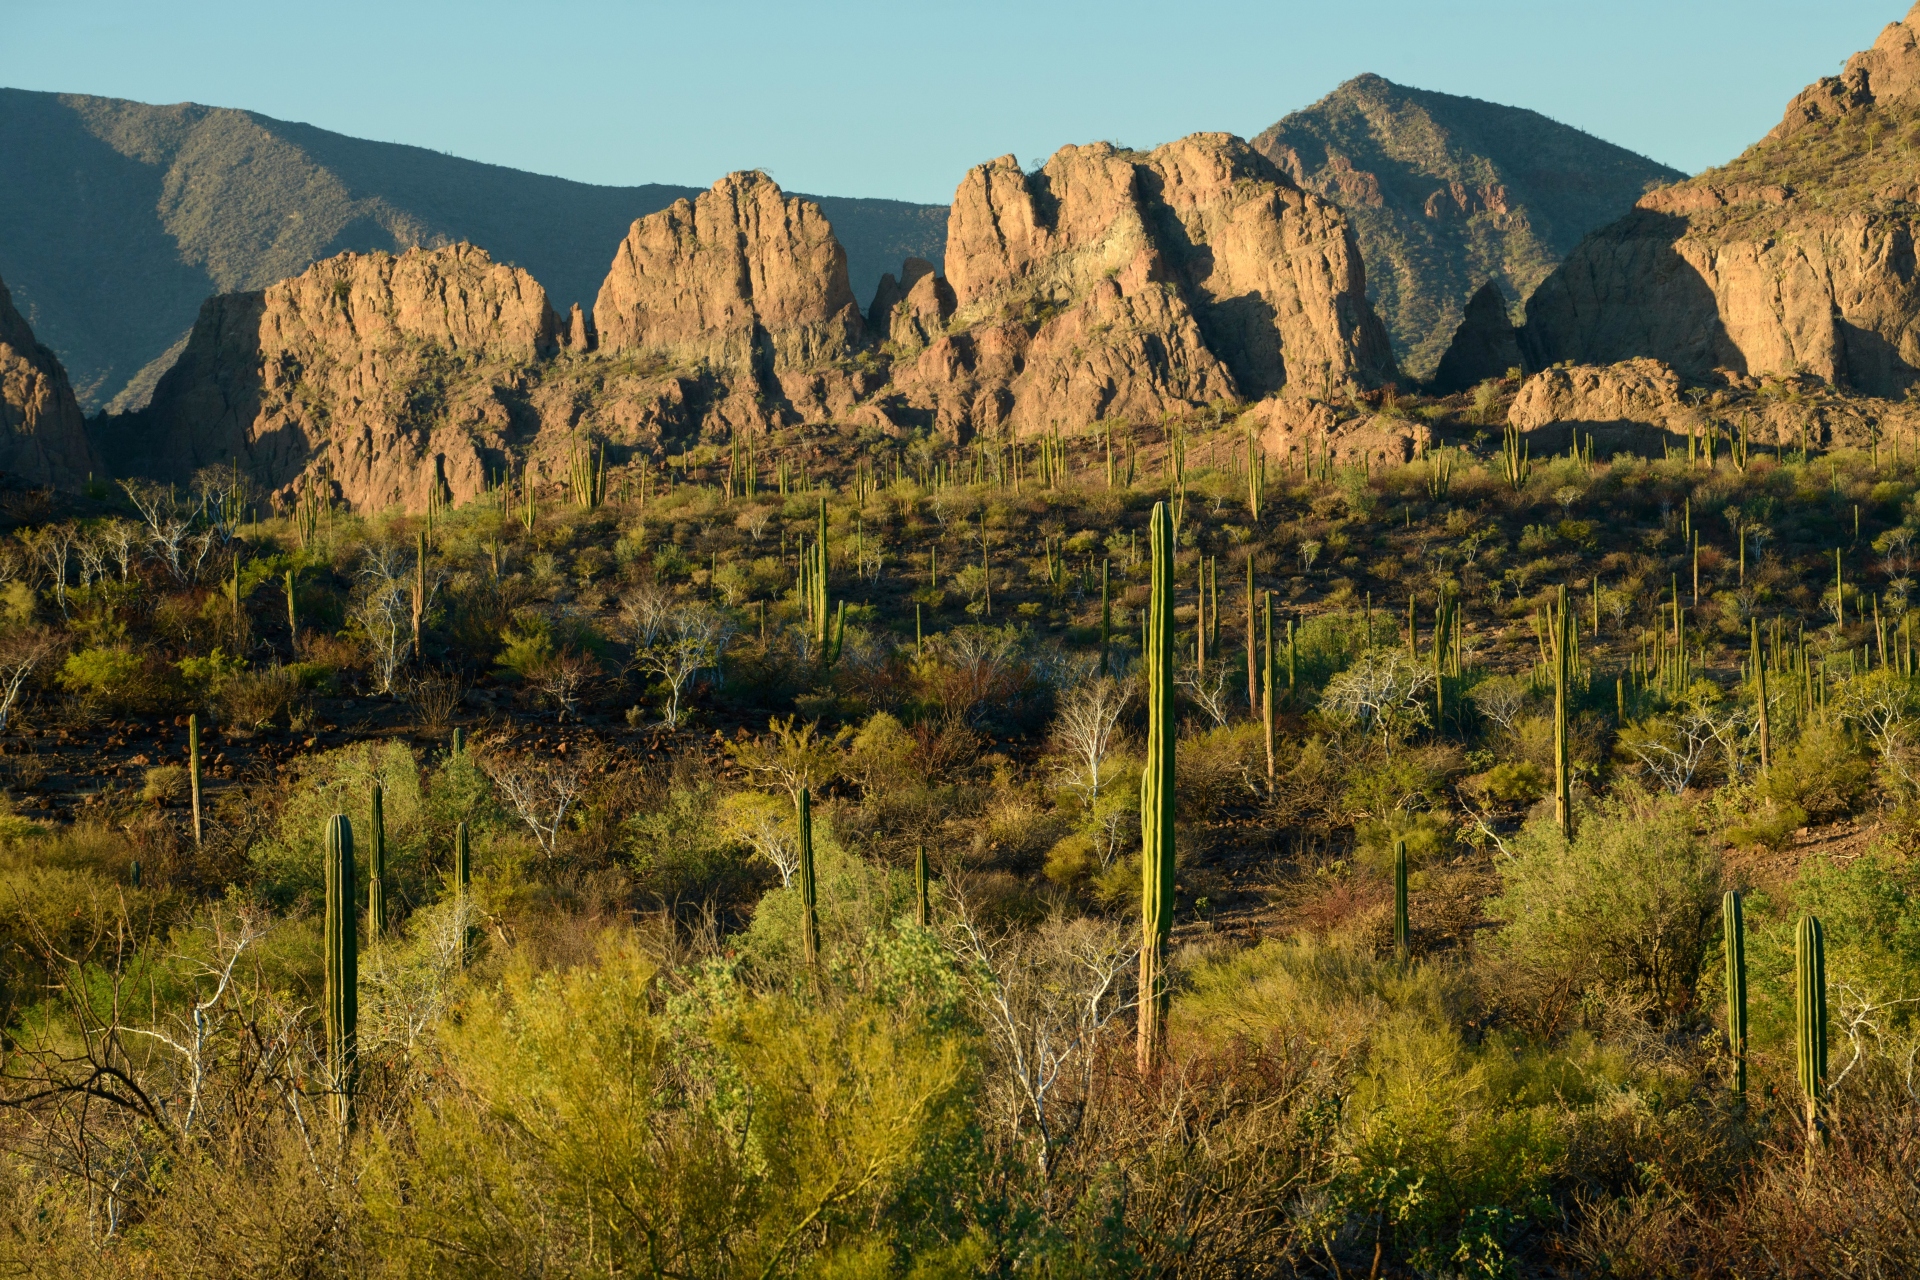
459	740
293	618
377	864
343	967
193	770
1402	935
1560	621
1106	613
1266	691
809	897
924	912
1734	933
817	580
1253	670
1810	1019
1156	798
1760	697
462	883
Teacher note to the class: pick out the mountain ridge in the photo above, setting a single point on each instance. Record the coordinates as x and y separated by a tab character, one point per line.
132	214
1448	192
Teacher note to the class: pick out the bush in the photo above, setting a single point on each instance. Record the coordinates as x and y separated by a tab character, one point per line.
1633	899
116	678
1824	772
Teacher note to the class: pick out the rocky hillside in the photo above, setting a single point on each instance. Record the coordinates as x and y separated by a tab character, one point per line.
1796	258
1447	193
1109	284
43	438
122	217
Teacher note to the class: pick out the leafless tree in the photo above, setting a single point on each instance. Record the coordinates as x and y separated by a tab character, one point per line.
564	677
167	526
1045	996
1086	724
542	789
1672	748
1207	689
690	639
22	650
382	609
52	547
1383	692
1884	704
1501	700
767	825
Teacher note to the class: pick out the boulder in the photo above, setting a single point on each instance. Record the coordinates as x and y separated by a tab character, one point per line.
1628	406
1294	432
43	438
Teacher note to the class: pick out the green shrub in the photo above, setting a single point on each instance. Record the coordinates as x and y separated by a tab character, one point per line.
289	864
1825	772
1516	782
1633	899
116	678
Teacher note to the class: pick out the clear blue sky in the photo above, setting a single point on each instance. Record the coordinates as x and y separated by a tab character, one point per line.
898	99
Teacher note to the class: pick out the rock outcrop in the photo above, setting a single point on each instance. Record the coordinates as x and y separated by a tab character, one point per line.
1484	346
43	438
1625	406
1796	258
1297	433
395	374
745	278
1116	283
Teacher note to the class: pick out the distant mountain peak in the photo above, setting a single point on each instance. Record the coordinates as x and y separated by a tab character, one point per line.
1447	193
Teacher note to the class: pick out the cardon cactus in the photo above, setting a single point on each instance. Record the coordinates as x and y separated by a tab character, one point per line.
193	770
343	966
1402	935
376	864
920	878
1733	920
1157	798
463	883
809	900
1810	1018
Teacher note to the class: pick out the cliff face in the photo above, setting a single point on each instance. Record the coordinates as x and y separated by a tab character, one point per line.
1447	193
395	373
1110	285
122	217
43	438
1796	258
1125	284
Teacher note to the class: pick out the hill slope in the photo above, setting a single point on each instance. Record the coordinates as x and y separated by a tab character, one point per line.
122	218
1447	193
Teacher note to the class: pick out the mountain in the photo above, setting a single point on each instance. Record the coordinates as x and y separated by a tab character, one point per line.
121	218
1447	193
1108	284
43	438
1795	258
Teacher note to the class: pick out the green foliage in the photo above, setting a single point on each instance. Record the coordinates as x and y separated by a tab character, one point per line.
680	854
1631	899
855	898
1823	772
288	865
116	678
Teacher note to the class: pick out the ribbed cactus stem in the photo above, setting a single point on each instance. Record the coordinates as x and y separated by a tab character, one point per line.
1106	613
809	897
293	618
193	771
459	740
1560	623
920	878
1266	691
1733	920
133	873
1764	724
343	967
1157	799
1810	1021
1402	935
462	883
376	864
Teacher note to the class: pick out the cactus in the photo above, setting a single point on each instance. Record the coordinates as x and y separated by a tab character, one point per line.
1760	698
817	582
1106	613
1402	935
293	618
343	967
193	771
1156	798
133	873
1266	691
377	865
1733	919
1559	628
1810	1020
459	740
809	900
419	590
925	912
462	883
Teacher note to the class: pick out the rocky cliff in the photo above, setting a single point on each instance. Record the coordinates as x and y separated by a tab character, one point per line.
1797	258
122	217
43	438
1127	284
1447	193
1109	285
396	374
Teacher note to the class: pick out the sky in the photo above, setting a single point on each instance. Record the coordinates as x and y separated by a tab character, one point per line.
898	99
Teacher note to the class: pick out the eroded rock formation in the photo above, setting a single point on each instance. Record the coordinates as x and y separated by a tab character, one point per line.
43	438
1125	284
1739	272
